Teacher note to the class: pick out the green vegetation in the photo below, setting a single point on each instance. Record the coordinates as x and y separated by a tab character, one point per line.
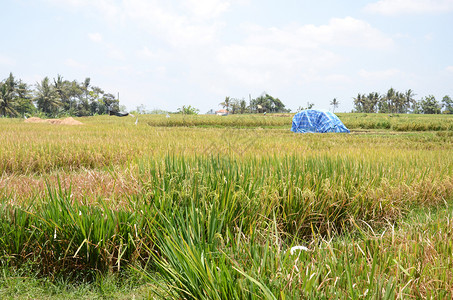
54	99
188	110
264	103
400	103
210	207
71	98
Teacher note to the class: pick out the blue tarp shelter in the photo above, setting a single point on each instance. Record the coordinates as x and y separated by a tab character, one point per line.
312	120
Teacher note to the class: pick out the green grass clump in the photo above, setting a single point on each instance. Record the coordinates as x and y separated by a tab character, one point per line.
27	283
409	259
61	236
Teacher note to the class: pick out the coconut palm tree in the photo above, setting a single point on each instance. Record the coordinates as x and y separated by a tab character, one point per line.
243	106
359	103
6	102
409	99
46	97
226	104
389	99
334	104
23	102
62	90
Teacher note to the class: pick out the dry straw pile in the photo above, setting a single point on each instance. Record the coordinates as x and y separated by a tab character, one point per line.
67	121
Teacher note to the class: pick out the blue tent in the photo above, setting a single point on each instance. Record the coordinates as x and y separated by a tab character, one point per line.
312	120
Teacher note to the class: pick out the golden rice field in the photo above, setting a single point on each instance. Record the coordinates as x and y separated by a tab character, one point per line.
209	207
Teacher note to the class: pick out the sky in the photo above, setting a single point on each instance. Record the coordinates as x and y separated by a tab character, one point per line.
164	54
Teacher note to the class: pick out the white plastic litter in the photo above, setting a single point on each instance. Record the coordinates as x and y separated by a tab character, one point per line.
293	249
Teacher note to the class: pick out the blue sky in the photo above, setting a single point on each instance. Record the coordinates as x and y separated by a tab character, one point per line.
165	54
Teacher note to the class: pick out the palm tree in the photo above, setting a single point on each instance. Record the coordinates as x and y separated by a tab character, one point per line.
359	103
390	98
399	102
373	100
84	104
23	100
226	104
243	106
334	104
7	96
11	84
234	104
409	98
62	90
6	102
46	97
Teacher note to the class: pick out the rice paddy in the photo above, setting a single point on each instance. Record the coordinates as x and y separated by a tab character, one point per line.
209	207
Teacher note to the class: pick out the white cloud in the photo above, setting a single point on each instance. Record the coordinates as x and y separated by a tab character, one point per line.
297	52
178	28
188	22
207	9
258	64
354	33
155	55
397	7
95	37
347	32
112	50
449	69
379	75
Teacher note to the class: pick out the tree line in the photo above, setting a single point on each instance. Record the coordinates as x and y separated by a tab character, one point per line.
264	103
54	98
401	102
59	97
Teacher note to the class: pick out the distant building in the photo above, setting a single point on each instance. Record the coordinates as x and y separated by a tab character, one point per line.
211	112
222	112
